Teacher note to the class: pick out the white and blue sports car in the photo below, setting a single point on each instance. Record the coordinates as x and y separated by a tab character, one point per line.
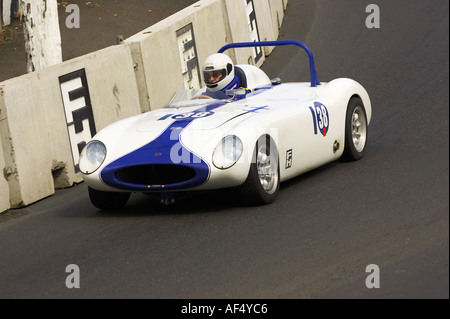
251	140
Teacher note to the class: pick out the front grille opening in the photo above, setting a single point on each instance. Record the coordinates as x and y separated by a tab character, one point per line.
155	174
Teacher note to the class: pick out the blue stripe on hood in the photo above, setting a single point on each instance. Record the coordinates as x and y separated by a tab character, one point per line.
159	151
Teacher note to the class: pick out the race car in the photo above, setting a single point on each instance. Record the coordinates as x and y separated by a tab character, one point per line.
248	140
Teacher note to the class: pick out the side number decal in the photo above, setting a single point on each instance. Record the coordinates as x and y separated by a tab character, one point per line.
321	118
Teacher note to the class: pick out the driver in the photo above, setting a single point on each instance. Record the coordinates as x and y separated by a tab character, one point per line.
220	75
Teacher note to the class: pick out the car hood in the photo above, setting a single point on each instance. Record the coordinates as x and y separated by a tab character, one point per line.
209	117
207	114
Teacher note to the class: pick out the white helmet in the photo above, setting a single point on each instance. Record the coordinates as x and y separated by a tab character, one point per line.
218	71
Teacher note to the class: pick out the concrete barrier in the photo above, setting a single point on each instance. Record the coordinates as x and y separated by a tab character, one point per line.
170	53
254	20
47	116
277	8
243	28
4	189
5	12
270	14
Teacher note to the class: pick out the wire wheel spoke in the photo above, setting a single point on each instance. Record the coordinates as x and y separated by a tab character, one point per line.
359	129
267	172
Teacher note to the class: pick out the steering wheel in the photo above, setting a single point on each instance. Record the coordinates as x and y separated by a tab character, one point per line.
201	97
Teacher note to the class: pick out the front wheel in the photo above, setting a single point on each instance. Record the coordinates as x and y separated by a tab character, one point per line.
108	200
263	181
356	129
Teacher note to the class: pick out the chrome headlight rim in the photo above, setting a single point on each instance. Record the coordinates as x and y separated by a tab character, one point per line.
86	163
221	158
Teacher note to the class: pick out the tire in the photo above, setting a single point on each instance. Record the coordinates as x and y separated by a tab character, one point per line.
108	201
263	181
356	129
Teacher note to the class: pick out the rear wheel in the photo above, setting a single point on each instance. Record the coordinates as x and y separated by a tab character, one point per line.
108	200
263	181
356	129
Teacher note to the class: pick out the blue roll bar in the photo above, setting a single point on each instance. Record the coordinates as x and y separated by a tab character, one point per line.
312	70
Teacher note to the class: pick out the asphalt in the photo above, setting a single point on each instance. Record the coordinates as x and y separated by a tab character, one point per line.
101	22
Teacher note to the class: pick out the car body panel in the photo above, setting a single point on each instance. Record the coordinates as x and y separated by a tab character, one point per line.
305	122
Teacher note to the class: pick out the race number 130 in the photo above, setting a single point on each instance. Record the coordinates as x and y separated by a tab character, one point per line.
320	117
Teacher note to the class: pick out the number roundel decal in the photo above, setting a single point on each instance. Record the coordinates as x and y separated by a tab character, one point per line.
321	118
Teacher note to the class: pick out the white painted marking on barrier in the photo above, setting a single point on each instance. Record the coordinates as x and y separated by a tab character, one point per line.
188	57
78	111
253	28
69	105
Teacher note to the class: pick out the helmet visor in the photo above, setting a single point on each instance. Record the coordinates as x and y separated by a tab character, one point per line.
214	76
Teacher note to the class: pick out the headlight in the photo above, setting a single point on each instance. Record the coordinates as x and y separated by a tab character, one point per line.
92	156
227	152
